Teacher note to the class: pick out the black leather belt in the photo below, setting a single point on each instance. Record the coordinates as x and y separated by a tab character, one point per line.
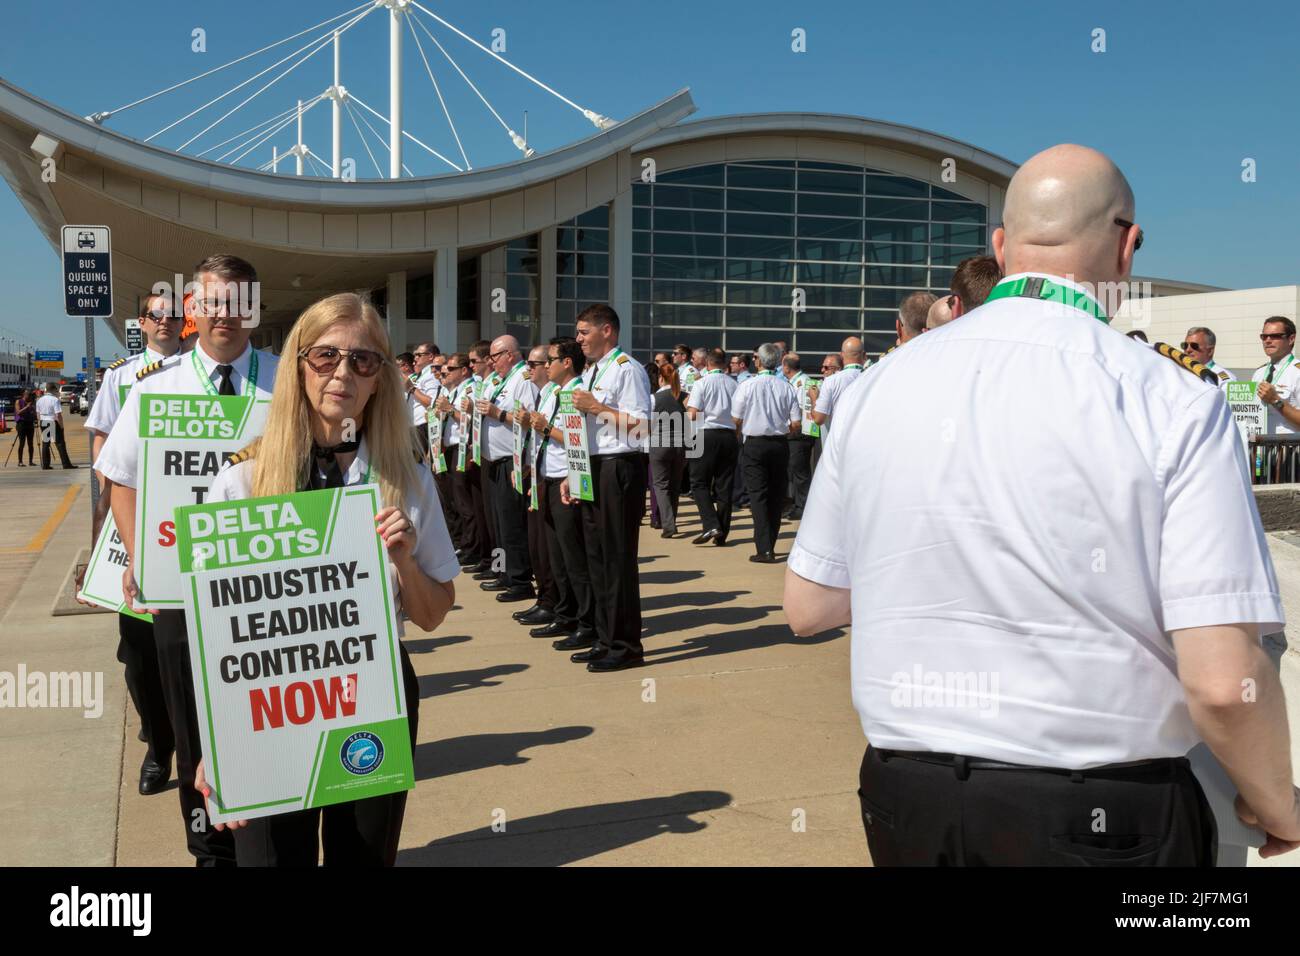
963	765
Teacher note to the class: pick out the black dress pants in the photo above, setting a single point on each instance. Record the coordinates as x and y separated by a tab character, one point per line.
422	440
713	478
801	448
450	512
491	535
932	814
575	605
469	502
510	509
360	833
58	442
611	528
766	459
138	653
210	847
538	553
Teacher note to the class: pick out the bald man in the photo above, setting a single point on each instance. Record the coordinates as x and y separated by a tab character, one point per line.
824	398
498	405
1100	633
940	313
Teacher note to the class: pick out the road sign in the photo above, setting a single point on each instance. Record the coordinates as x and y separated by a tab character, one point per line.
48	359
83	362
87	272
81	376
134	337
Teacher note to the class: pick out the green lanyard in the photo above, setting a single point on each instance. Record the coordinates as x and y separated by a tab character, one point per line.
768	371
855	365
506	381
714	371
250	383
1273	375
613	357
1036	287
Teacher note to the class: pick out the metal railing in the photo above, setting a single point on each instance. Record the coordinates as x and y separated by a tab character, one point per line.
1274	459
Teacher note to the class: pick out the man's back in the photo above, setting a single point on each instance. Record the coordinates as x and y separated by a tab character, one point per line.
1024	499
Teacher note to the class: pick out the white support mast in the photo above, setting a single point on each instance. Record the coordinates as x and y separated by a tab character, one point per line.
396	10
336	96
298	150
275	159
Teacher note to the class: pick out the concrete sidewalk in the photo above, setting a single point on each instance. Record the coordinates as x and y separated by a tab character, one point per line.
737	744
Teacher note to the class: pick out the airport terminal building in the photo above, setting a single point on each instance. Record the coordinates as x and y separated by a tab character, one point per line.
730	231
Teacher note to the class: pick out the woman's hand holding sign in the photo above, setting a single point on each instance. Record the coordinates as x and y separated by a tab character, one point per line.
398	534
201	785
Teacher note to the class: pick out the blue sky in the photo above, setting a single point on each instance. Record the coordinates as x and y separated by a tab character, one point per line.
1184	92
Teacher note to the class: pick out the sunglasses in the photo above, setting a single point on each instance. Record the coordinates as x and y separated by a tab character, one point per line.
1125	224
1265	336
1190	347
160	316
325	358
538	363
496	355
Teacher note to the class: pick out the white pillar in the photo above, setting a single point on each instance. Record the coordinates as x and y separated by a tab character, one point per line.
445	284
491	277
300	137
338	114
394	93
396	312
275	159
620	263
547	241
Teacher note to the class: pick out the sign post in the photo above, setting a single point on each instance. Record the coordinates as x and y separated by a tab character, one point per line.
297	666
88	293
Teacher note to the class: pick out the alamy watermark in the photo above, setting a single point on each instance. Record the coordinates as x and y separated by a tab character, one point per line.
82	690
946	690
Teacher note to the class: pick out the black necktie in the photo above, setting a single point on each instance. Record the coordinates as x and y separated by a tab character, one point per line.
333	474
226	387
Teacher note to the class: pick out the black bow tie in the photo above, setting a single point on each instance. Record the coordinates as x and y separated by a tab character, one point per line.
328	454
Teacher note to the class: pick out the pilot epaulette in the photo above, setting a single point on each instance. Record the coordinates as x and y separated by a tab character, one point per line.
1186	361
149	369
119	363
244	454
1223	376
621	359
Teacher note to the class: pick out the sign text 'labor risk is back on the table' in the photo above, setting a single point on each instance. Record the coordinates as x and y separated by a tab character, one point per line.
293	637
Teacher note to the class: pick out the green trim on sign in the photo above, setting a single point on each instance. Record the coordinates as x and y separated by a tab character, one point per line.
389	613
207	694
258	806
333	520
315	766
141	512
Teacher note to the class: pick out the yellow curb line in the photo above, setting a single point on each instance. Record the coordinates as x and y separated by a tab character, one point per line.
51	525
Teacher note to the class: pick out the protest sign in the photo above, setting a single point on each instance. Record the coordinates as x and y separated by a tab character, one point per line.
293	637
807	425
574	425
102	584
434	422
518	437
184	441
477	390
1247	410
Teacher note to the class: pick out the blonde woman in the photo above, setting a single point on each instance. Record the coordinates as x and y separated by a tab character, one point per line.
338	417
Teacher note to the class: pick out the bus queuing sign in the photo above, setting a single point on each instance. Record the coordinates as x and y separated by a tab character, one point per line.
87	272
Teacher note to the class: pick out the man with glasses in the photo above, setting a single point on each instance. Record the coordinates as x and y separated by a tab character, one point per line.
161	325
1199	344
827	394
456	380
509	507
222	363
542	612
801	445
423	391
1279	378
481	375
738	367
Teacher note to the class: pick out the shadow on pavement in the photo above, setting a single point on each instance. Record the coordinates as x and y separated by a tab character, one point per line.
684	602
707	645
442	758
669	577
689	618
423	645
566	836
435	685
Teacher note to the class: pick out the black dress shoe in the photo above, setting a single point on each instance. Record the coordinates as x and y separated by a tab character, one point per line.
795	516
552	629
615	662
582	637
517	593
154	776
528	610
766	558
706	536
720	540
496	584
668	532
595	653
486	576
539	615
483	565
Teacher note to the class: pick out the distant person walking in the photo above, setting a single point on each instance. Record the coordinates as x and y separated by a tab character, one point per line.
50	412
25	419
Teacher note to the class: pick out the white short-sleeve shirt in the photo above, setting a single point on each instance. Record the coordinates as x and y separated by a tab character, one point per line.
48	408
766	404
119	458
1287	382
712	396
500	437
831	390
434	552
622	384
427	383
114	387
555	464
1019	543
